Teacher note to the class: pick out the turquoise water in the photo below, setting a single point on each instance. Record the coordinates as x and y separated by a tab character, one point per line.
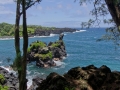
81	47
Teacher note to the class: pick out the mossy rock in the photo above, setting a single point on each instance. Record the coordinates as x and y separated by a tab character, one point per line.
36	45
44	56
57	43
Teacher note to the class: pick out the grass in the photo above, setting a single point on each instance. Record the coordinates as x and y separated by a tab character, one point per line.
57	43
4	87
2	78
44	56
36	45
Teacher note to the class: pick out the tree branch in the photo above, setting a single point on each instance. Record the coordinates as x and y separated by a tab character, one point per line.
30	5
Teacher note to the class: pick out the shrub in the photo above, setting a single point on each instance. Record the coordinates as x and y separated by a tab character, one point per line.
57	43
36	45
2	78
4	87
44	56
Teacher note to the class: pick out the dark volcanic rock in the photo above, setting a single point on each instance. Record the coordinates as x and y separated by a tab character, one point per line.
54	82
85	78
44	55
10	79
56	31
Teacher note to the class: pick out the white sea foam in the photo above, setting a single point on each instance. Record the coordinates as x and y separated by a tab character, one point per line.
9	69
6	38
79	31
59	64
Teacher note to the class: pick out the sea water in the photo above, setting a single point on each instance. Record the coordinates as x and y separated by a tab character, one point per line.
82	50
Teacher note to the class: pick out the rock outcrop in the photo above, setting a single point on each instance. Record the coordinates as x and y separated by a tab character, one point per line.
10	80
85	78
44	54
39	32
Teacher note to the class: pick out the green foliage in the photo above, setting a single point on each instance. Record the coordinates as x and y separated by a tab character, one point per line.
4	87
2	78
8	29
17	62
57	43
36	45
44	56
30	30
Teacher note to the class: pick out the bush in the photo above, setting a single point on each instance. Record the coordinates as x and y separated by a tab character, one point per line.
44	56
57	43
2	78
4	87
36	45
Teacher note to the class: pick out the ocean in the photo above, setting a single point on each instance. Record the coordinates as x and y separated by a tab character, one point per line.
82	50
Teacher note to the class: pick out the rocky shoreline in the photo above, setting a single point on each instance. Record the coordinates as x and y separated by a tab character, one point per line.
9	80
77	78
39	32
81	78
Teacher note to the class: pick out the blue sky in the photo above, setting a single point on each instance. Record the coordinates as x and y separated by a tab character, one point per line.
52	13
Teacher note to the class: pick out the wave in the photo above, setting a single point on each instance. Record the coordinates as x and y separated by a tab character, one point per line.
6	38
79	31
51	35
59	63
9	69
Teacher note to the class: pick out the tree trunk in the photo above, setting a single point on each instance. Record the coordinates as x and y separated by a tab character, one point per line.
23	81
17	40
114	11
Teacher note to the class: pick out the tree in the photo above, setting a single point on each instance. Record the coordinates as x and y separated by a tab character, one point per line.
103	8
22	74
20	62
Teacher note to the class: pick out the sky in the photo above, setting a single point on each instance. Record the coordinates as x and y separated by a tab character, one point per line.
51	13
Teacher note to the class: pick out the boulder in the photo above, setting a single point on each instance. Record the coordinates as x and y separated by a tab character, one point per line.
85	78
10	79
54	82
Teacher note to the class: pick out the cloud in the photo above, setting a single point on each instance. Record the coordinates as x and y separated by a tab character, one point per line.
4	10
63	24
6	1
60	6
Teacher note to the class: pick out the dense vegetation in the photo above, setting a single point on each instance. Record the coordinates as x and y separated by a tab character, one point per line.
8	29
2	80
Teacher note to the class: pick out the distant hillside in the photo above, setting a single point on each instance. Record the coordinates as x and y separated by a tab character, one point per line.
8	30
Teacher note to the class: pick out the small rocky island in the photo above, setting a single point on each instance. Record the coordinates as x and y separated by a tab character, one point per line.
44	54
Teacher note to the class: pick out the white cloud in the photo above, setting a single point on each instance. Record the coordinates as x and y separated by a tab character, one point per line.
59	6
63	24
6	1
4	10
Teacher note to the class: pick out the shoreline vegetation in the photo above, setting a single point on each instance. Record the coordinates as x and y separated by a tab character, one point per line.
7	30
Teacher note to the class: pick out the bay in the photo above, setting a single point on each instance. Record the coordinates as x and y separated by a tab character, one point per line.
82	50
